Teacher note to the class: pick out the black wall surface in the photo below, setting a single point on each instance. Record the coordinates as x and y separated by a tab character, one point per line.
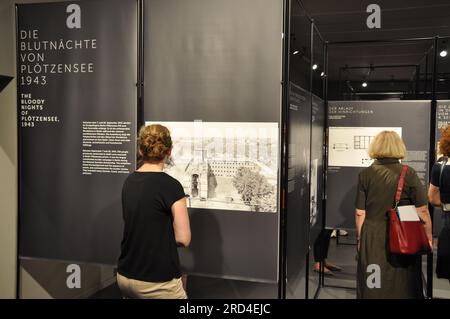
65	214
317	154
414	119
218	61
298	193
4	81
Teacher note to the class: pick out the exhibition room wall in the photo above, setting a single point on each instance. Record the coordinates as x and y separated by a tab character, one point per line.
8	155
228	74
204	74
197	73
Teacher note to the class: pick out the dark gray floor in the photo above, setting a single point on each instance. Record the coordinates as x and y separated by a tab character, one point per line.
441	287
343	255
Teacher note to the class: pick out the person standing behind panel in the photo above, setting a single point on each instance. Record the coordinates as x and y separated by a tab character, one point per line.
156	222
381	274
439	195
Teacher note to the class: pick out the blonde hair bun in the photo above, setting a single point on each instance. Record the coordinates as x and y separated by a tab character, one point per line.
154	143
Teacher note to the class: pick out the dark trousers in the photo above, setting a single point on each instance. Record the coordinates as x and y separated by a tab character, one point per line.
443	251
321	245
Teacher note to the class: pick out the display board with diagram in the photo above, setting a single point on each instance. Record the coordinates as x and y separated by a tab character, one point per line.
352	126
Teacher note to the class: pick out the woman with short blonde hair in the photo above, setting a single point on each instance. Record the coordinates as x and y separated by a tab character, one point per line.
398	276
387	144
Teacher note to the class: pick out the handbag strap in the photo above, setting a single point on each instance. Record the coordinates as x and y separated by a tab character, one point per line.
444	162
401	183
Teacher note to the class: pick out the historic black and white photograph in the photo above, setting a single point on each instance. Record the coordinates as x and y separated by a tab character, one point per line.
230	165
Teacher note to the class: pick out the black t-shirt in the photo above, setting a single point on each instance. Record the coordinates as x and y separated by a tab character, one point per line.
149	251
444	189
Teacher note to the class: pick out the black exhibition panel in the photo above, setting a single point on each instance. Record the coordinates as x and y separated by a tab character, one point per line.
298	153
76	75
352	126
317	171
298	192
318	77
317	188
212	75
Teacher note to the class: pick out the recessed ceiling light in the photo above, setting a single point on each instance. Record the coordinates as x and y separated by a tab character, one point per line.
314	67
296	52
364	84
443	53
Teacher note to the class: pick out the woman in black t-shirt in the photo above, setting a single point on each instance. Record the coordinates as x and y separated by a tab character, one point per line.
156	222
439	195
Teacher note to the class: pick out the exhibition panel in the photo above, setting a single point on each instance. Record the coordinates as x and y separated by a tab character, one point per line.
318	145
305	127
316	219
298	192
77	75
317	164
317	156
352	126
217	86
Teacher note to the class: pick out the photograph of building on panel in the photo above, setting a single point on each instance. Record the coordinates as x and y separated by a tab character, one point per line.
226	165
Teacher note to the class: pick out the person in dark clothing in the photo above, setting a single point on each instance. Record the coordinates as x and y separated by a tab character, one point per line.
321	245
156	221
439	195
381	274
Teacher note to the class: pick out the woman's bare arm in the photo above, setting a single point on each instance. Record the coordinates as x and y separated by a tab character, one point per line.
434	196
424	215
181	225
360	216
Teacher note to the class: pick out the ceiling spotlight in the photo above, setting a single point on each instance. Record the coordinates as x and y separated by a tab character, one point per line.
364	84
315	66
296	52
322	74
443	52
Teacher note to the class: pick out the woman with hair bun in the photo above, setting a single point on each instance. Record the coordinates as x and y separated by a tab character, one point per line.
156	221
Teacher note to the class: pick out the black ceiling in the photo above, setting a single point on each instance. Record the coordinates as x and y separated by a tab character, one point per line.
345	20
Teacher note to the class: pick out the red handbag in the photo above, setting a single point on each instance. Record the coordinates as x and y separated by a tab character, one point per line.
406	237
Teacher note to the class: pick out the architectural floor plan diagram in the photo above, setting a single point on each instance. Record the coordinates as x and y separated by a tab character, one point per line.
349	145
226	165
